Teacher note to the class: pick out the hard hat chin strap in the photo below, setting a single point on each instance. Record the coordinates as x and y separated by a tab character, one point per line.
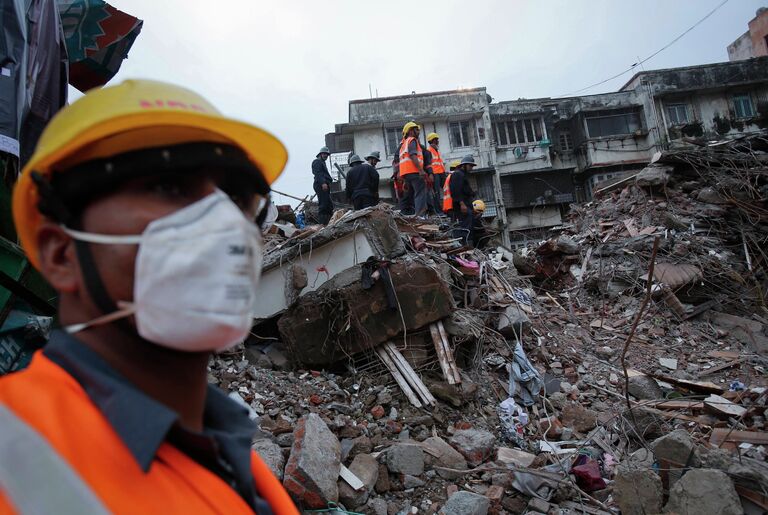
93	283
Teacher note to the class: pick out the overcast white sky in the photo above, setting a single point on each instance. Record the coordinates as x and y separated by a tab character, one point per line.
292	67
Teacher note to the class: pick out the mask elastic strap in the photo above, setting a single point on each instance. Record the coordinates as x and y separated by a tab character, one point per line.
93	282
126	309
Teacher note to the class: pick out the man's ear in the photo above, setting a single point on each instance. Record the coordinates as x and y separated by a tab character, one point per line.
58	259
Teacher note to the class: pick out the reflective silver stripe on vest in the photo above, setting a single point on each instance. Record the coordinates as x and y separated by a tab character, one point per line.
34	478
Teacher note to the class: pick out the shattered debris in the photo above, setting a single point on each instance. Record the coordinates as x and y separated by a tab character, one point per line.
582	374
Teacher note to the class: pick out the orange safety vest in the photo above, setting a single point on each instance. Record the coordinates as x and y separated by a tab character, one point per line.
438	167
406	165
53	404
447	200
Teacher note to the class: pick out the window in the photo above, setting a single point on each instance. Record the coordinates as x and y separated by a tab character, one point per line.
461	134
742	105
678	114
566	142
394	137
601	125
517	132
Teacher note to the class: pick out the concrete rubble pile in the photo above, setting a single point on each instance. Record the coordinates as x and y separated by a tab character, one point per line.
395	371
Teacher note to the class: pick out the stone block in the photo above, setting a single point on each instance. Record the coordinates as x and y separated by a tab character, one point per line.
512	321
677	447
405	459
638	491
704	492
366	468
466	503
645	388
312	471
271	454
476	445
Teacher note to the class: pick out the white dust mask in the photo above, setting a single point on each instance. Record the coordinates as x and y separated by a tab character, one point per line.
197	271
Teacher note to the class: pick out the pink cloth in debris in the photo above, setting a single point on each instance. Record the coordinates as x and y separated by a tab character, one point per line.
468	264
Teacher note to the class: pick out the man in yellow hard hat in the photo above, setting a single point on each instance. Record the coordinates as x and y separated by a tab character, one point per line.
140	206
411	170
479	232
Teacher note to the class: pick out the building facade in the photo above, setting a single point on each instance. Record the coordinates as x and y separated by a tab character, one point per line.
537	156
754	42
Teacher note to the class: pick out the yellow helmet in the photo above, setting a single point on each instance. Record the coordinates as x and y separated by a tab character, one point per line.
408	126
134	115
478	205
431	136
454	164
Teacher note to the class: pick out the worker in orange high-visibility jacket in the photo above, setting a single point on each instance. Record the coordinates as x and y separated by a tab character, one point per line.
447	198
411	171
438	167
141	206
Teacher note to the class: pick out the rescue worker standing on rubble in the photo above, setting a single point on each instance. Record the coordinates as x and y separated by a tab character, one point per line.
447	200
322	186
438	170
479	233
462	197
411	171
140	206
362	183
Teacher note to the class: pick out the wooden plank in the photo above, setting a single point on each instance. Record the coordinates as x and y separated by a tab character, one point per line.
401	382
723	406
718	368
698	386
677	404
723	354
756	497
351	479
409	374
449	352
720	435
440	350
630	226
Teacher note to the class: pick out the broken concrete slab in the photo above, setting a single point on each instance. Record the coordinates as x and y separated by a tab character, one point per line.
405	459
466	503
271	454
324	254
312	471
653	175
578	417
476	445
704	492
312	327
748	332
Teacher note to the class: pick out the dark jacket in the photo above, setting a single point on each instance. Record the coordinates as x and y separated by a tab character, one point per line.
427	159
362	179
461	191
320	171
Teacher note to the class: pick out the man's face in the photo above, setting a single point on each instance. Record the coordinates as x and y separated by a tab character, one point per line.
435	142
373	161
324	156
133	206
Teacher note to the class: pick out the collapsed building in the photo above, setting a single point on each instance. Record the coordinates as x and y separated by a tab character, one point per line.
536	156
618	364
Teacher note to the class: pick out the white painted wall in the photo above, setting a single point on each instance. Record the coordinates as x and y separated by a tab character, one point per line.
529	217
335	256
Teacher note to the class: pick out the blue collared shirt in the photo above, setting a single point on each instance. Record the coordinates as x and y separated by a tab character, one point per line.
143	424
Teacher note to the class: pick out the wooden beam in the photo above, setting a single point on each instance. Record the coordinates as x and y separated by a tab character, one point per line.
449	352
409	374
441	357
401	382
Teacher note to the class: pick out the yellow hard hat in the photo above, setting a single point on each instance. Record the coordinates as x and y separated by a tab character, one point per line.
408	126
431	136
478	205
454	164
134	115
